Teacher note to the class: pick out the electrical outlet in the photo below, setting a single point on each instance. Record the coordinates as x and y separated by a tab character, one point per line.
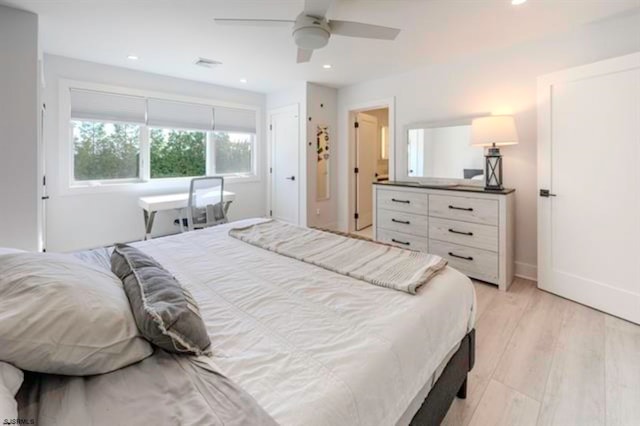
318	212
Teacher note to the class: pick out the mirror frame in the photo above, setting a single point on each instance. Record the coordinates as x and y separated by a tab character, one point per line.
458	121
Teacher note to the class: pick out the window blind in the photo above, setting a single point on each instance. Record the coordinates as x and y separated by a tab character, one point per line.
94	105
179	115
235	120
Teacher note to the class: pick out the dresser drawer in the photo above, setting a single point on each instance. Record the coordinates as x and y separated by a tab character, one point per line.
477	263
407	223
409	202
411	242
464	233
475	210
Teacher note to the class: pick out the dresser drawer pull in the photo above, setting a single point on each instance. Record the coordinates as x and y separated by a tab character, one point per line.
401	242
467	209
453	231
395	200
461	257
404	222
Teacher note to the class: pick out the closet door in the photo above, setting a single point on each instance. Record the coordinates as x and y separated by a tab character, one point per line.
589	161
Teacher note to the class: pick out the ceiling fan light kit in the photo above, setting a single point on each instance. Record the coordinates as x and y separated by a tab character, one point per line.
311	33
312	30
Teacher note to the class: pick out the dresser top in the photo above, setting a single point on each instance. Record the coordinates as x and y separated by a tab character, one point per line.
452	187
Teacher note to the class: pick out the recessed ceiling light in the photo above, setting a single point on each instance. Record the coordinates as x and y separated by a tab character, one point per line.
326	66
133	57
517	2
243	80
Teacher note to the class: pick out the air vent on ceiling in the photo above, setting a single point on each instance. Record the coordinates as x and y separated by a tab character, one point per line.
207	63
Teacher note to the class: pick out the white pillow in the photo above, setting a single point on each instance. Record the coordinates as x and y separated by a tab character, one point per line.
10	381
62	316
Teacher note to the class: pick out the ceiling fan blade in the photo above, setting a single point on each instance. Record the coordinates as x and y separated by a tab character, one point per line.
358	29
316	8
254	22
304	55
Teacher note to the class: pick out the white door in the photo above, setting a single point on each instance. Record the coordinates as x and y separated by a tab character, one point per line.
589	160
285	137
367	139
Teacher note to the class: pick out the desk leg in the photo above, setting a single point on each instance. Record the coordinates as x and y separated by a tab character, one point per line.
148	223
226	207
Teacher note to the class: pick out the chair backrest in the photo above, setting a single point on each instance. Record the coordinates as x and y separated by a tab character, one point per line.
206	202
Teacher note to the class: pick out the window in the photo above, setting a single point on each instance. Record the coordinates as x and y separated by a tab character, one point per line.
105	150
233	152
119	138
177	153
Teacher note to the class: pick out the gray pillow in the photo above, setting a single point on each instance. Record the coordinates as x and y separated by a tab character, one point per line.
59	315
166	313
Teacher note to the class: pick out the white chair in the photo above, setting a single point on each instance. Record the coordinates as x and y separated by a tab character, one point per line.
206	206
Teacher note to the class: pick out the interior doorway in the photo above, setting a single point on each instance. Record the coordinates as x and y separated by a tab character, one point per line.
371	163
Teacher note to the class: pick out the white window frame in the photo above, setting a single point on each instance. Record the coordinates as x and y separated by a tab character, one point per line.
68	185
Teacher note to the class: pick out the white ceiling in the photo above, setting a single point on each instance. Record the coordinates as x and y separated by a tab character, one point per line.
168	35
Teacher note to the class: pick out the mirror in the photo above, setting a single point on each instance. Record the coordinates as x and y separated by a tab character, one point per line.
444	152
322	165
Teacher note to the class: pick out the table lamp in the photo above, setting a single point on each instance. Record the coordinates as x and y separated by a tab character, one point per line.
493	131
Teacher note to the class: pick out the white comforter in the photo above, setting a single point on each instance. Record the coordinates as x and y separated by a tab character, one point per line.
311	346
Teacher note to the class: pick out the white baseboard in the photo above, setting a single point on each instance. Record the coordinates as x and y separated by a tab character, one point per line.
526	271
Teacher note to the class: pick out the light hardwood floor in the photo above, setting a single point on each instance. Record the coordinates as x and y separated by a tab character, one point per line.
544	360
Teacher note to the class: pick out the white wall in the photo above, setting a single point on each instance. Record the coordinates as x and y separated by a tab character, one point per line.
80	221
502	81
322	104
19	171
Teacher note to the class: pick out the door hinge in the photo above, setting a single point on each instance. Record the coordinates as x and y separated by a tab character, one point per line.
270	212
356	216
356	124
270	126
356	170
270	169
44	180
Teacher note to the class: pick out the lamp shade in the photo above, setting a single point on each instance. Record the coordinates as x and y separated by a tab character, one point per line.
494	129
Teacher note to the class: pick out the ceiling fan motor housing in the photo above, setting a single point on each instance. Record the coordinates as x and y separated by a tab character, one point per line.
311	33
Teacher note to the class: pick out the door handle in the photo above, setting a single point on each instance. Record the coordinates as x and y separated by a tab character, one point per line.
546	193
291	178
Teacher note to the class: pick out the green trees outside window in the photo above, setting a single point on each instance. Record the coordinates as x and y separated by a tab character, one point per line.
106	150
177	153
232	152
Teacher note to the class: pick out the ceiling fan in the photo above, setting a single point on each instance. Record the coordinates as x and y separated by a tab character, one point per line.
311	30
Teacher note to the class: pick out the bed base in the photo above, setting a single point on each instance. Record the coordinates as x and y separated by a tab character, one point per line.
451	383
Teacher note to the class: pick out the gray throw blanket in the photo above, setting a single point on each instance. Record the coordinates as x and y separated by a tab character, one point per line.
163	389
375	263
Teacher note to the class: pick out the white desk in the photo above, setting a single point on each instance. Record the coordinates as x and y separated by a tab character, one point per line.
153	204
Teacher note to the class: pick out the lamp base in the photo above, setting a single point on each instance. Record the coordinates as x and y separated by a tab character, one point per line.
493	170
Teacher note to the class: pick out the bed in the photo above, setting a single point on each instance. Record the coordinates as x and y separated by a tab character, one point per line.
312	347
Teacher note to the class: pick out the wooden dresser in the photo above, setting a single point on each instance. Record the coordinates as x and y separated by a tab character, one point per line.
470	227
